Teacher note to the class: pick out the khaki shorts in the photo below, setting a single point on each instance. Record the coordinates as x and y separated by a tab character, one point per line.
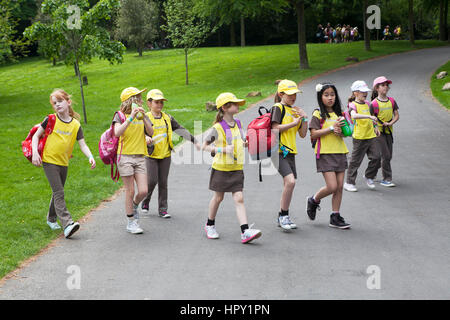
130	164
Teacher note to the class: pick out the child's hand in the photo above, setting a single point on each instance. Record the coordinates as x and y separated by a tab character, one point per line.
198	146
135	111
36	159
245	143
229	149
386	124
92	162
340	122
148	140
337	130
377	132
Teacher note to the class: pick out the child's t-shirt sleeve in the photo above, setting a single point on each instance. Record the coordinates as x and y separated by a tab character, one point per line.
315	121
44	123
180	130
211	136
275	115
80	134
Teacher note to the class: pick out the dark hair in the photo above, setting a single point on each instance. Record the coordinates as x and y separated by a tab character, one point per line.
337	107
375	92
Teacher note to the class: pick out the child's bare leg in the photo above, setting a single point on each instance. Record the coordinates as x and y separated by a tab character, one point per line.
288	189
337	195
214	204
238	198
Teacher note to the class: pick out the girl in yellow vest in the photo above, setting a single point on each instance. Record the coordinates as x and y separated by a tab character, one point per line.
227	173
55	157
288	121
132	151
331	153
364	134
387	114
159	150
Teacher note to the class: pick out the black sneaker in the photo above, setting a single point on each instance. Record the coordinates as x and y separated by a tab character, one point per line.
311	207
336	221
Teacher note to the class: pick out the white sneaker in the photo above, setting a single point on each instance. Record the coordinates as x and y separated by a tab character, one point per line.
386	183
286	223
250	234
53	225
350	187
71	229
133	227
370	183
211	232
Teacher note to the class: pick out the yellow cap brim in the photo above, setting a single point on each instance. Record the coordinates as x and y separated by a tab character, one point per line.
240	102
291	91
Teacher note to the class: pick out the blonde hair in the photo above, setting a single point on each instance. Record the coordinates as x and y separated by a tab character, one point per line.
125	106
61	94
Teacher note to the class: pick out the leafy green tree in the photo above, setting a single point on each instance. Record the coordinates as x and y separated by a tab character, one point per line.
74	26
227	12
185	28
138	22
9	41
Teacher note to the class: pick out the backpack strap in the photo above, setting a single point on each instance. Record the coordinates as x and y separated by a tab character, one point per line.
115	176
374	108
322	121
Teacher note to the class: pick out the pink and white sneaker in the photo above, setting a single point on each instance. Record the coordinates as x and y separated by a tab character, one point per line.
250	234
211	232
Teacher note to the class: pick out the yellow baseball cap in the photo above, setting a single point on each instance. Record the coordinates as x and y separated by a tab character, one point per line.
129	92
287	86
155	94
226	97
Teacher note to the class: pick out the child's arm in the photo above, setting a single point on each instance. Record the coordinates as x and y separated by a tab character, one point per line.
147	124
395	118
208	147
87	152
183	132
356	115
303	129
36	158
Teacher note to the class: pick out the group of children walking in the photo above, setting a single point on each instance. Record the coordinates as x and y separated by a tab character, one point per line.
145	145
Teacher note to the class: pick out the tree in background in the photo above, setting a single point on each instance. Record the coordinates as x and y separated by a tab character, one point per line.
299	6
138	23
10	43
185	28
411	21
75	26
226	12
366	30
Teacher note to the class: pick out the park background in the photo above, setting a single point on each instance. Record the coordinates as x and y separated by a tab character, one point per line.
247	46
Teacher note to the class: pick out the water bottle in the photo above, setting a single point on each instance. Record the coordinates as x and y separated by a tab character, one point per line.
139	115
346	130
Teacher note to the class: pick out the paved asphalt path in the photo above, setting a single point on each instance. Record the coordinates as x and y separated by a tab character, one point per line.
404	231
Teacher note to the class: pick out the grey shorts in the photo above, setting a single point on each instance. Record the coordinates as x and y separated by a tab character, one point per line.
286	165
130	164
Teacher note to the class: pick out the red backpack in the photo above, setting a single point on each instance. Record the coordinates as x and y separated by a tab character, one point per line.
107	148
27	148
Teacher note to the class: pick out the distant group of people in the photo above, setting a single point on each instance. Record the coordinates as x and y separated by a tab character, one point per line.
388	35
344	33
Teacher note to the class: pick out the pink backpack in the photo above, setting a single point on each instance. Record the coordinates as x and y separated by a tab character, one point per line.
107	148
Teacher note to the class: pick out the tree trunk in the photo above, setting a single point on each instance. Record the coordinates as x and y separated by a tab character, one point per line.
447	34
411	22
366	30
140	51
77	67
242	31
186	65
54	61
232	35
219	37
442	26
301	32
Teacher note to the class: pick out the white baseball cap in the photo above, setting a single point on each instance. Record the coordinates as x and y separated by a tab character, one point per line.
360	85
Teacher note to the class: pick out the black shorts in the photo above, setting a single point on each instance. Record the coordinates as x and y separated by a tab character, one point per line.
286	165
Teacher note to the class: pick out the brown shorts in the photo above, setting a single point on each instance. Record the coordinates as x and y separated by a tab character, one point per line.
336	162
129	164
286	165
226	181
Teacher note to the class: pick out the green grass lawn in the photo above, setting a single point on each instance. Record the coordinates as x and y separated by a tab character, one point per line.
437	84
24	101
